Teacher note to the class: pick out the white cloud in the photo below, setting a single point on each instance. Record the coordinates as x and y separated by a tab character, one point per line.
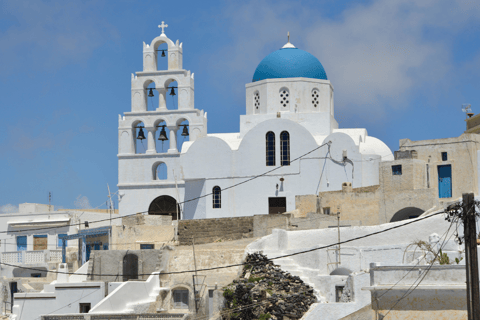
375	54
50	34
82	203
8	208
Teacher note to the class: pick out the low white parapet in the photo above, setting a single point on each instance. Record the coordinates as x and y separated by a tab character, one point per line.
31	257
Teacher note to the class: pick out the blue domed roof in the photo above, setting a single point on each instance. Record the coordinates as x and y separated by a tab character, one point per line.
289	62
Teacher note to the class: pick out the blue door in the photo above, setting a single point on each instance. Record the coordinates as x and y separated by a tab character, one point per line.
21	243
445	181
96	246
88	249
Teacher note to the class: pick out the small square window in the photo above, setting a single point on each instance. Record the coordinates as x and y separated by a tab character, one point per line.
326	210
180	299
397	170
444	156
85	307
338	293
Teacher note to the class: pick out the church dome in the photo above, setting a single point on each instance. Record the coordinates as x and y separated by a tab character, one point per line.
289	62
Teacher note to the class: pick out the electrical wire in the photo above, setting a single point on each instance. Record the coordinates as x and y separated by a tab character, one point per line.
241	264
410	290
418	262
178	203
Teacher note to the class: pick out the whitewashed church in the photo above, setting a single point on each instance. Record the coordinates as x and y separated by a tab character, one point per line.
289	142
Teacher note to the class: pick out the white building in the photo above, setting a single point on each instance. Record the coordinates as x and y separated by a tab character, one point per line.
289	124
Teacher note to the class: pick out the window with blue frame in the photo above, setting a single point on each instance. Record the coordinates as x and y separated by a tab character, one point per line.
397	170
444	156
60	241
146	246
21	243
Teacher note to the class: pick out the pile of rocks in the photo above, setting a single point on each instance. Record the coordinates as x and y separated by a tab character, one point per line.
264	291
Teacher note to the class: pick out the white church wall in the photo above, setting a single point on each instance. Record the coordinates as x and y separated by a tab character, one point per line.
195	209
318	124
299	95
197	162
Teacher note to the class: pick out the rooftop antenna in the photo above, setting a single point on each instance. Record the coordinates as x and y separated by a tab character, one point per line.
466	107
49	201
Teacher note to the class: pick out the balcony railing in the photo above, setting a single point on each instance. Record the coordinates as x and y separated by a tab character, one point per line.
32	257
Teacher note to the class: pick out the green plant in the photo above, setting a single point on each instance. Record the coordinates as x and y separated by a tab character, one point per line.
228	293
458	260
270	283
253	279
443	258
264	316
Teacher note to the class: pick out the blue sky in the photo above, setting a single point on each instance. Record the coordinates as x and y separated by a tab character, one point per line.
401	69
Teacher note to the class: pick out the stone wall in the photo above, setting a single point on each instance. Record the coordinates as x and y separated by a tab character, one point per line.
107	265
212	230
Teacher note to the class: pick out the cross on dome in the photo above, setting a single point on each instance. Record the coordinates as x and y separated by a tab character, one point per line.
163	26
288	44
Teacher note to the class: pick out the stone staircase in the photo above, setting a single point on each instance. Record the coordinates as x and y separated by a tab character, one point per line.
306	274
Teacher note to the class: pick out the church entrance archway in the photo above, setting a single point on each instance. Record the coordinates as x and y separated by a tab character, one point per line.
166	206
406	213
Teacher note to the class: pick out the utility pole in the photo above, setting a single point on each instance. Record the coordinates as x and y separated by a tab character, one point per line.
471	263
338	229
194	276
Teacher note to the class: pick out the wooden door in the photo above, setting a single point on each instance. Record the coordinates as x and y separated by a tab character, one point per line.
277	205
40	242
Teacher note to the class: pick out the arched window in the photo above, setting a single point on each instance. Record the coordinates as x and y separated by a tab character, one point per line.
284	148
315	97
217	197
284	97
160	172
270	148
256	102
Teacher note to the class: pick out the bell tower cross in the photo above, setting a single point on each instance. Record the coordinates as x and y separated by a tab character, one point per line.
163	26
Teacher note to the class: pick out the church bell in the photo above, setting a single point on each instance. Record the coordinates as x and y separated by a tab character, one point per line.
150	94
163	135
185	131
172	92
141	135
163	53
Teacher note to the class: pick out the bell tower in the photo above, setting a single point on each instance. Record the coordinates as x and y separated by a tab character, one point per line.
150	141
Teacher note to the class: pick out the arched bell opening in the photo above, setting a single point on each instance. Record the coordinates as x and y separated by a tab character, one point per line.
183	133
165	206
152	97
162	56
406	213
140	138
171	94
160	171
162	135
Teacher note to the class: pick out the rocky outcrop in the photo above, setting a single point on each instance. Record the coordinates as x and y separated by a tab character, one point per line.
264	291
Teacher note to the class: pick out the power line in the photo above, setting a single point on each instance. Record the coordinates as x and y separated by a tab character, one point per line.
178	203
415	266
241	264
410	290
